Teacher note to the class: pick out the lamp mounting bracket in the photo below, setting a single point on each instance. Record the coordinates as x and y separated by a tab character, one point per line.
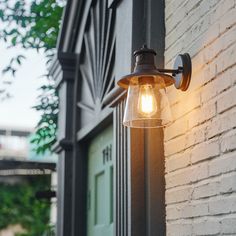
181	72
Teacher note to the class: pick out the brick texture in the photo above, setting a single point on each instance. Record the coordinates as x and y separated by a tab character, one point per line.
200	144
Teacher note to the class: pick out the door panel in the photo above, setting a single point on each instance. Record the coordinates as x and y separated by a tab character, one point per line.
100	185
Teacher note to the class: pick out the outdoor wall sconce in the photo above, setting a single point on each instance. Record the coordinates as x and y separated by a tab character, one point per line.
147	104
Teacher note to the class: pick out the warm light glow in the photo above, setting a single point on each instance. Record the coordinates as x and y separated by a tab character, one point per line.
147	104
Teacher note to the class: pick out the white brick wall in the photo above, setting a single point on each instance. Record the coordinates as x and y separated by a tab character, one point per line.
200	145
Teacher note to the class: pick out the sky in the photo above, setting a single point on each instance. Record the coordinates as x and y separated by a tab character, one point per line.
17	112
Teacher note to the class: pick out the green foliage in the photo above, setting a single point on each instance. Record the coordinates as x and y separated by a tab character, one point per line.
31	25
19	206
45	135
34	25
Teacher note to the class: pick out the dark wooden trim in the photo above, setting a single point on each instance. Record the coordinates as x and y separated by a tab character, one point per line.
63	144
154	138
63	67
118	97
66	144
79	22
155	182
121	171
112	96
138	182
63	71
147	183
156	26
74	21
64	28
79	170
113	3
64	196
71	17
79	190
139	22
99	121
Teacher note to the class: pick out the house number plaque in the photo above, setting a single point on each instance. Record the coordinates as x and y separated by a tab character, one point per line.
107	154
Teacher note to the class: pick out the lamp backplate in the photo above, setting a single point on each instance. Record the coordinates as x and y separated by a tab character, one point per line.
183	64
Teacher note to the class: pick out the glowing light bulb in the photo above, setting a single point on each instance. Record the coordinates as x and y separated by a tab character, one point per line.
147	104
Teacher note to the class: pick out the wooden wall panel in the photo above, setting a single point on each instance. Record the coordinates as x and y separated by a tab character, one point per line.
139	166
97	61
121	179
140	184
130	190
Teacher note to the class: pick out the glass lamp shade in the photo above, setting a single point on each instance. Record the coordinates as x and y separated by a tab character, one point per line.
147	105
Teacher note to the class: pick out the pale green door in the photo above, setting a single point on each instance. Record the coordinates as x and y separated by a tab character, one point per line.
100	185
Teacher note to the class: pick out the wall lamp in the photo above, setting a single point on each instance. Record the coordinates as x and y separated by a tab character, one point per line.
147	105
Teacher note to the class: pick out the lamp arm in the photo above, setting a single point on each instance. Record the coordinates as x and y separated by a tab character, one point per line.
172	71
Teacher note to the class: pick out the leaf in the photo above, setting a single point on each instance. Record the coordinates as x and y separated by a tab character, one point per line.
1	14
19	58
13	41
4	71
13	72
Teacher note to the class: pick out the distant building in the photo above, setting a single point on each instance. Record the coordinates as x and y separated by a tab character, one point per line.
18	161
14	143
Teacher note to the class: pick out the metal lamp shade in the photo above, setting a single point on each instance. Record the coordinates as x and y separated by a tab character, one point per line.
147	105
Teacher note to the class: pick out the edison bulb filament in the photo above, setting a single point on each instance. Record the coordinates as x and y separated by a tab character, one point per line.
147	104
